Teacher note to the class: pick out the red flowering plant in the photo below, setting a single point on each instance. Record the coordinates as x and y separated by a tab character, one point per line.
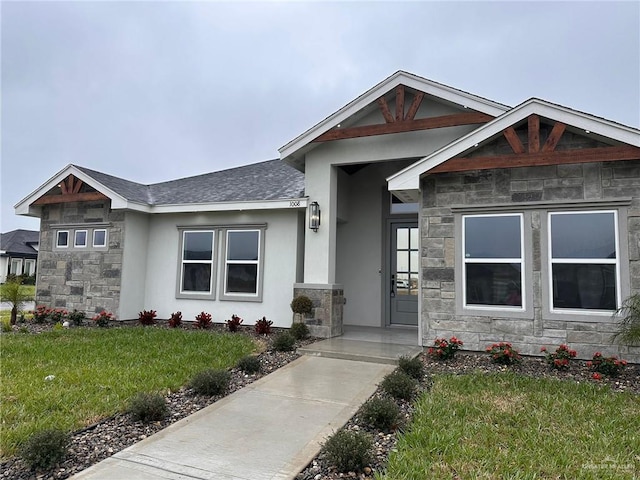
41	313
444	349
176	320
503	353
611	366
203	320
234	323
103	318
560	358
57	314
147	317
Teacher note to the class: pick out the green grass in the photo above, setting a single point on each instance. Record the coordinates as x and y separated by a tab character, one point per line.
505	426
97	371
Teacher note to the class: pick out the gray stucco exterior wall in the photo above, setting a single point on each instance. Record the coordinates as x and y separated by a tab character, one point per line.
533	191
87	279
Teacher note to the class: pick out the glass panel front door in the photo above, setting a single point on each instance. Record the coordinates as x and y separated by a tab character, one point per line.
403	278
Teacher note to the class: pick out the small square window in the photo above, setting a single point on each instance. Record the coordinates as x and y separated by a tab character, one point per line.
80	239
100	238
62	239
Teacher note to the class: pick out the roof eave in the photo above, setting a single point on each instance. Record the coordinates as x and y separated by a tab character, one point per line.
409	178
288	151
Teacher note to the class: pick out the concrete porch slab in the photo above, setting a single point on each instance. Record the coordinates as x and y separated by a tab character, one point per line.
360	350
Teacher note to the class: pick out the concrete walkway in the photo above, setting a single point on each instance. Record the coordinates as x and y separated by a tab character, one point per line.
271	429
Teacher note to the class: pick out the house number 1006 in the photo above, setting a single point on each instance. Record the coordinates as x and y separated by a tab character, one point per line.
294	203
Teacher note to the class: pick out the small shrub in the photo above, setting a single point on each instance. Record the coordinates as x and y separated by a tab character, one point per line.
381	413
503	353
57	315
6	325
560	358
147	317
44	449
176	320
399	385
234	323
203	320
628	329
444	349
211	382
148	407
23	329
302	305
611	366
103	318
40	314
249	364
76	317
263	326
349	451
57	327
411	366
283	342
299	331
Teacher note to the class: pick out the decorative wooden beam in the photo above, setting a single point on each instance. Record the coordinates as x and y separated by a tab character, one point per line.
415	105
554	137
400	103
386	113
77	186
399	127
513	139
580	155
534	133
70	197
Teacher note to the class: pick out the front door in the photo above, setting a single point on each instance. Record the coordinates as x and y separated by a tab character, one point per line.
403	275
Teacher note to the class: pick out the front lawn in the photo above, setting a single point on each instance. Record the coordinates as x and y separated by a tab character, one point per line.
485	426
97	371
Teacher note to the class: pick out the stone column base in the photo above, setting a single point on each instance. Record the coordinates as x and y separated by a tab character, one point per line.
328	301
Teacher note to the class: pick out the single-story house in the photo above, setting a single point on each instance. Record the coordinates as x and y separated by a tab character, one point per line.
416	206
18	253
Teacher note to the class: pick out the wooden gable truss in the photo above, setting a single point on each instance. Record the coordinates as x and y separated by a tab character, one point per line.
403	122
536	155
69	190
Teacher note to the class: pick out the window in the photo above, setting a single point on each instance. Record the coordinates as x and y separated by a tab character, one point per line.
100	238
242	262
584	260
493	261
196	273
16	266
29	267
80	239
62	239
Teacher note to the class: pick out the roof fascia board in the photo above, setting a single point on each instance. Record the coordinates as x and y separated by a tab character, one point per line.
293	203
371	95
409	178
23	206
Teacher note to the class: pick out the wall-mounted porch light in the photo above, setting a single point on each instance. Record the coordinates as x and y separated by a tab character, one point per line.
314	216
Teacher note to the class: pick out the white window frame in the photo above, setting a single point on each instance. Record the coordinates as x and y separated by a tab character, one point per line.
208	295
257	296
522	261
93	238
19	262
585	261
75	238
66	245
29	271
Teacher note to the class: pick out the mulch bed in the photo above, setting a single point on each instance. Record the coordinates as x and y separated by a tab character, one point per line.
97	442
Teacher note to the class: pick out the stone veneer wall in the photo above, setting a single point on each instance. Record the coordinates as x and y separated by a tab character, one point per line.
579	182
84	279
328	304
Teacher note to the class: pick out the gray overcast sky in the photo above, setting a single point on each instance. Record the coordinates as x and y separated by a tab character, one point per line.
153	91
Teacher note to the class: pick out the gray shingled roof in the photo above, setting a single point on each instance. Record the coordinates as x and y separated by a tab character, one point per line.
18	242
270	180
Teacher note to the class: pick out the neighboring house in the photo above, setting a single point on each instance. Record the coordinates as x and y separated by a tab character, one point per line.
438	210
18	253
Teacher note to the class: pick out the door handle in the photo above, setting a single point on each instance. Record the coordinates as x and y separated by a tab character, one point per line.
393	286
